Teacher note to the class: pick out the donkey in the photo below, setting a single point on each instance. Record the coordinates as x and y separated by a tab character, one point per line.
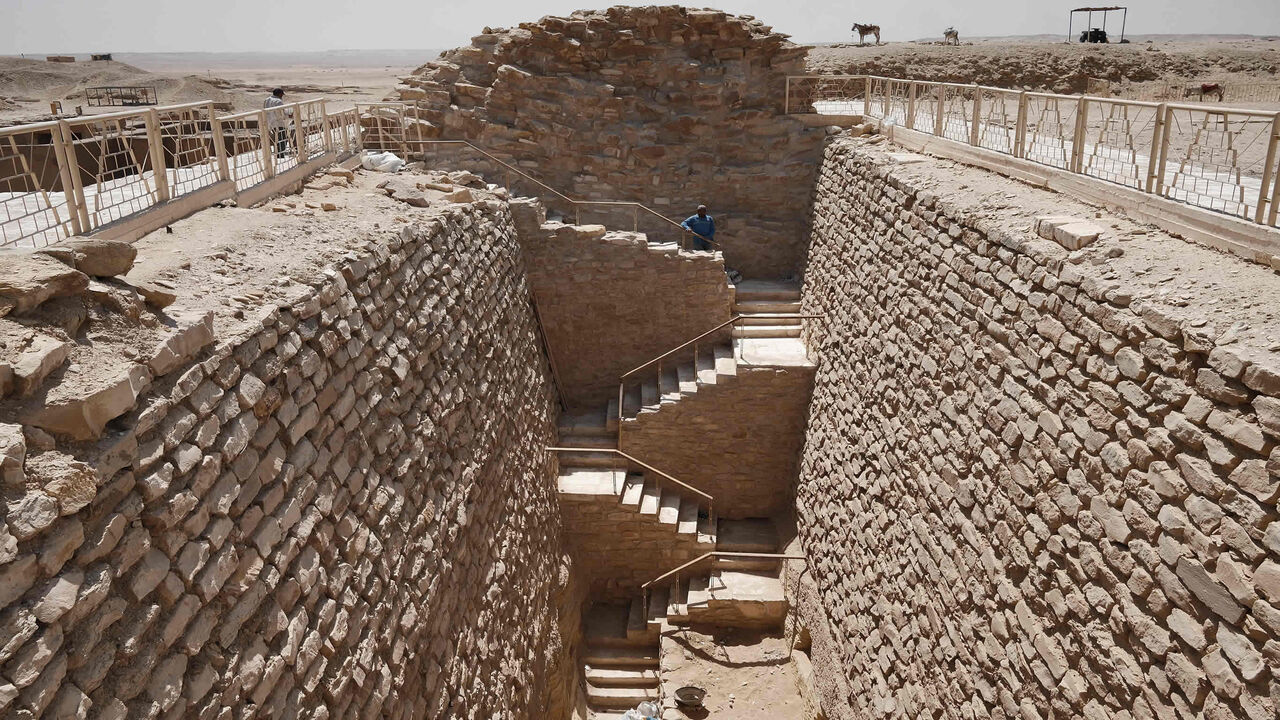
950	37
865	30
1203	89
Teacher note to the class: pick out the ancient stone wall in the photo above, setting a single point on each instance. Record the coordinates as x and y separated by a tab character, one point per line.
738	440
1036	483
348	511
666	106
610	302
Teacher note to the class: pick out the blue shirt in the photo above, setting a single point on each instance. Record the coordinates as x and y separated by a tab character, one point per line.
704	226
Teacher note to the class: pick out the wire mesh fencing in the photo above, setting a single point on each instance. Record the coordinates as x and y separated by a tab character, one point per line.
1222	159
77	175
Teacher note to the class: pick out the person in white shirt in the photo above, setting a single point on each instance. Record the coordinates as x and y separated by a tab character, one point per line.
278	120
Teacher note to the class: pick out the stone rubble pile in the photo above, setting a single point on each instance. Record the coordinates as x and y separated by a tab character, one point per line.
347	510
1026	490
667	106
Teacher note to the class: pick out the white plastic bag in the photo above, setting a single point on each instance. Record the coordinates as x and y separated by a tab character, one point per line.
382	162
647	709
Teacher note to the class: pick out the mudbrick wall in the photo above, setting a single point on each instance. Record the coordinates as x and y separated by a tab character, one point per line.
666	106
738	440
346	511
1037	482
610	301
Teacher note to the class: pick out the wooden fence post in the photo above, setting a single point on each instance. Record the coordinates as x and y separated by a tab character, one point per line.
67	166
939	115
155	149
300	132
1081	132
1268	170
911	105
866	98
267	135
219	139
975	132
1020	127
76	200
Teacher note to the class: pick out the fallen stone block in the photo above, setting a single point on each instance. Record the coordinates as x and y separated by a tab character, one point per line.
192	335
77	412
42	356
97	257
461	195
158	293
27	279
405	193
72	483
1070	232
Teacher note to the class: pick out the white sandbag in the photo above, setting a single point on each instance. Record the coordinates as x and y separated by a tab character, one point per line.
381	162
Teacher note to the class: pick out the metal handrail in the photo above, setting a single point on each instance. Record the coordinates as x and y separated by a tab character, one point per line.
578	216
622	381
707	496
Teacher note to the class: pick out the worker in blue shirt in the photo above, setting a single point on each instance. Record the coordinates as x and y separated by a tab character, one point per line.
702	225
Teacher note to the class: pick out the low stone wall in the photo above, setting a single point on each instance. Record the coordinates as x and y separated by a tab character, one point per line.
610	302
738	440
347	511
617	549
1036	483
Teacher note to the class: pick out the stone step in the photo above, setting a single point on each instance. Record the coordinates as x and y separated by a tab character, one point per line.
590	460
613	656
766	331
731	598
750	320
687	378
657	606
605	626
606	440
590	482
584	424
651	498
706	371
621	676
619	697
637	619
742	307
726	366
631	401
749	535
758	290
649	394
633	490
688	523
677	607
669	384
669	510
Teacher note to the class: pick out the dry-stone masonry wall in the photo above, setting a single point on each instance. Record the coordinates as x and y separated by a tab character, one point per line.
738	440
349	512
610	302
1028	489
666	106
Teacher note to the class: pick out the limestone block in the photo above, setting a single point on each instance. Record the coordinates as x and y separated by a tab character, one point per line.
27	279
71	483
191	335
95	256
40	357
13	455
79	410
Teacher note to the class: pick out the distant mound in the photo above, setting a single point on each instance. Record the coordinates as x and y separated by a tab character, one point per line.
28	80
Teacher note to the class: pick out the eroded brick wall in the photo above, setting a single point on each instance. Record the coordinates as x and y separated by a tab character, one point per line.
348	513
1025	493
738	440
610	302
667	106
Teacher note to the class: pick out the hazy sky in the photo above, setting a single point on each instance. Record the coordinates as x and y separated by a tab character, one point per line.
82	26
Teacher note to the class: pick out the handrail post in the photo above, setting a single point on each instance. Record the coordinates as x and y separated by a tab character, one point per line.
324	128
218	138
66	168
1268	170
939	116
1153	162
155	149
1020	128
300	134
1081	131
910	123
267	135
786	98
975	135
1164	148
866	99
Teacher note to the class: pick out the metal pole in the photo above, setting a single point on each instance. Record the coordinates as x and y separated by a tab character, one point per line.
1071	18
786	98
1124	18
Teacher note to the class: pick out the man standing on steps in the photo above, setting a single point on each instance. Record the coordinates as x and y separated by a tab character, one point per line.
703	227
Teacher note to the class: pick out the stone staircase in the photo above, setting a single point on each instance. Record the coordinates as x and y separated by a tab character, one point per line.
713	366
757	300
604	477
622	641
